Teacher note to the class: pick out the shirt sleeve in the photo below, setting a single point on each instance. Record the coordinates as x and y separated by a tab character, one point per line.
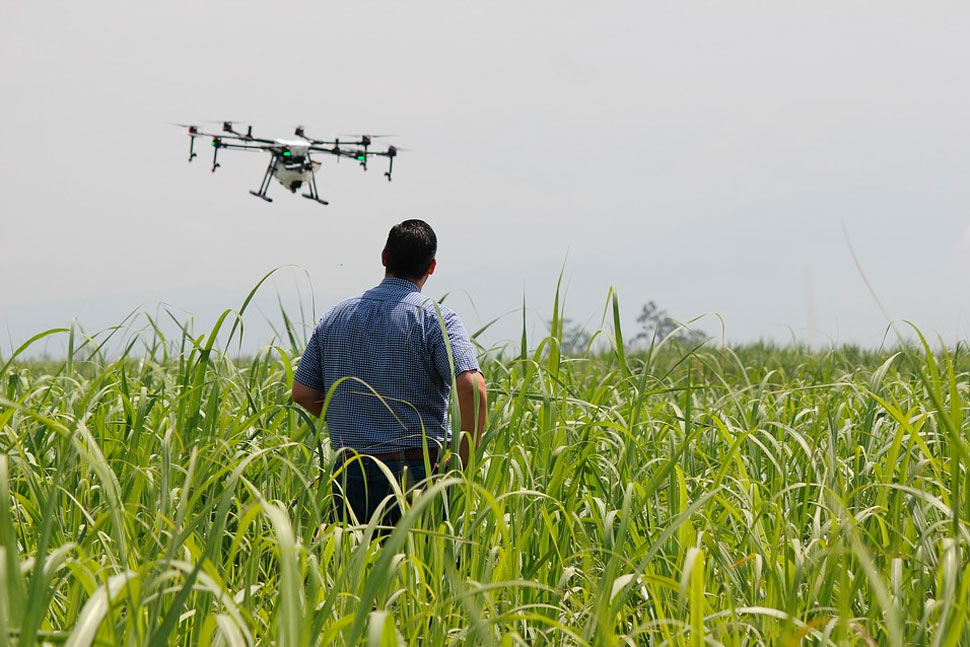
309	372
462	349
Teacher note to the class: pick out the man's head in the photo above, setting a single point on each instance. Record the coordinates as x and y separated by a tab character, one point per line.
410	250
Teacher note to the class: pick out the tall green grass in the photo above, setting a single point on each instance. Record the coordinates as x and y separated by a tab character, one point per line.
709	496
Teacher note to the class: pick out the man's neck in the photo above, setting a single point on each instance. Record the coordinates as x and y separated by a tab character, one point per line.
418	282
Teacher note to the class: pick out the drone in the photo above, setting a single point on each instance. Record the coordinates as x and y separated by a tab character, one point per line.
290	160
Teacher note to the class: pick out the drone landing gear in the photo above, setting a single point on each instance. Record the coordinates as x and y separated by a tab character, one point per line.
264	185
390	165
312	187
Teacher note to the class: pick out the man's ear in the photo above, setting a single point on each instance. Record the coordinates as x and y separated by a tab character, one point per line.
434	264
384	257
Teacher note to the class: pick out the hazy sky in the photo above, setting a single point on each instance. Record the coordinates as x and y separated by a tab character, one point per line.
710	156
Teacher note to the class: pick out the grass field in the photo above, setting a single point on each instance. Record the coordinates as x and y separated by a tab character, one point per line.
745	496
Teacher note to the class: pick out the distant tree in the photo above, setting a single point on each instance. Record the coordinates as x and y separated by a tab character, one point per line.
656	324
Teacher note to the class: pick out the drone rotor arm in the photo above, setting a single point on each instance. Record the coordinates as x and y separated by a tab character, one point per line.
247	147
229	136
259	140
333	150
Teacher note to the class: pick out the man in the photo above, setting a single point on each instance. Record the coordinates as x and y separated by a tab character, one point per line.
385	352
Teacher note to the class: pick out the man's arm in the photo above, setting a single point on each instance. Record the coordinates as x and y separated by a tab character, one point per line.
472	401
308	379
309	399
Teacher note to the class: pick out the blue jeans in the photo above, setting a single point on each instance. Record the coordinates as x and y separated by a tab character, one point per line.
361	485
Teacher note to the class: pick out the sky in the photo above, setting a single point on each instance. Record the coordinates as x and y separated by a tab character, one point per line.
750	164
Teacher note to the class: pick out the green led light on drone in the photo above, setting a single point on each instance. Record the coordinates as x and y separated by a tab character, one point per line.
287	153
361	158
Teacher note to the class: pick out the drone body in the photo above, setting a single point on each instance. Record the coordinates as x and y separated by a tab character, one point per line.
296	169
291	161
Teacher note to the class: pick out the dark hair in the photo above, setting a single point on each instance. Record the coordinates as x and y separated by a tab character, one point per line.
410	248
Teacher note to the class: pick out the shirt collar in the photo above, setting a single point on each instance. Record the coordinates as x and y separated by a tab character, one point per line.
401	284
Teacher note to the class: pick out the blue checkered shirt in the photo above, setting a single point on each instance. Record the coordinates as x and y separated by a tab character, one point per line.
388	341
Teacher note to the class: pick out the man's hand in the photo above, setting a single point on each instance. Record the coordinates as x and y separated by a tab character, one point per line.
309	399
472	403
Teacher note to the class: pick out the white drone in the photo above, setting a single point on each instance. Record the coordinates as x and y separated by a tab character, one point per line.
290	160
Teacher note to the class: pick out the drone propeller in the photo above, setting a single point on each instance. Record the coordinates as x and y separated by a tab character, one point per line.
229	126
301	133
365	140
225	121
